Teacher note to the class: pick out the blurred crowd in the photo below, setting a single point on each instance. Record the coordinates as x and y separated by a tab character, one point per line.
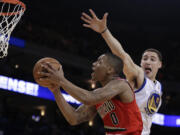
17	122
65	38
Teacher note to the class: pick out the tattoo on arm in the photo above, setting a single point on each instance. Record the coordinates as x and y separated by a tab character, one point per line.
85	113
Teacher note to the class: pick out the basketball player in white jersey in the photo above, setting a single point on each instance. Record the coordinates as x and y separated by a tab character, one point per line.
142	79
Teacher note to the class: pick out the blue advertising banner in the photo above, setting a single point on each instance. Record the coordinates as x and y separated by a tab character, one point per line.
33	89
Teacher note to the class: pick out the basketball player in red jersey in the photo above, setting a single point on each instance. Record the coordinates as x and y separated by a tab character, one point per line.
142	78
115	101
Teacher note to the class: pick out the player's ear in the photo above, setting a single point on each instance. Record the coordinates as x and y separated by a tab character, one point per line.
110	70
160	64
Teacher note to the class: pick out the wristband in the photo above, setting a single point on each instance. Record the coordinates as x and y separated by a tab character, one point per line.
104	30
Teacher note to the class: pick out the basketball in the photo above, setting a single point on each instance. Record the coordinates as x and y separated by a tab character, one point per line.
37	68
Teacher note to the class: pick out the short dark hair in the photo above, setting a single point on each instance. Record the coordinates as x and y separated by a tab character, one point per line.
115	62
156	51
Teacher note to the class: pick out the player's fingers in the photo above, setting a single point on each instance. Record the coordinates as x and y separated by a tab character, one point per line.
86	20
46	67
60	68
41	79
93	14
86	16
87	25
105	16
50	66
43	74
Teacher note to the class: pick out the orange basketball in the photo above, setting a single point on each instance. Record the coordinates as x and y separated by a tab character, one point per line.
37	68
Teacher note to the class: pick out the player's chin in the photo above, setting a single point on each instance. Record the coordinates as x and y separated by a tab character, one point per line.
93	78
149	74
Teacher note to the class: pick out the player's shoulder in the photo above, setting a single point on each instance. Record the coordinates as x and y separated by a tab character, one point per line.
152	82
155	84
158	82
121	83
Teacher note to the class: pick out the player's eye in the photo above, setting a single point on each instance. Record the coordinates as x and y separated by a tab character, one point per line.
145	58
153	59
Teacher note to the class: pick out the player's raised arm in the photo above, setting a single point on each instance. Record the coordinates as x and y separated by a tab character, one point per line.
73	116
131	70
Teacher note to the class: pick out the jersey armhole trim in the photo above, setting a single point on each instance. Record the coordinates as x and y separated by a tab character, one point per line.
144	82
161	88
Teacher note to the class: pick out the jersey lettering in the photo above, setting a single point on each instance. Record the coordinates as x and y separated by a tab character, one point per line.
105	108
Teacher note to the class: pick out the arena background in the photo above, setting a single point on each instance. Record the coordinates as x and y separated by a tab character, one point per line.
54	29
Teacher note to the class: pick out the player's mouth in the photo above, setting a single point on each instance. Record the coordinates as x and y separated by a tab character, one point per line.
148	70
93	68
92	74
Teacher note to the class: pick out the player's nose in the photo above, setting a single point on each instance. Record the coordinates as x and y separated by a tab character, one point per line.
147	63
94	63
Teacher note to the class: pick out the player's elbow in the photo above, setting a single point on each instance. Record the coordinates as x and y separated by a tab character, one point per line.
92	99
73	122
89	103
88	100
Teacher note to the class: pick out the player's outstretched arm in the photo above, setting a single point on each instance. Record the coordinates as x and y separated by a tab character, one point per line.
113	88
131	70
73	116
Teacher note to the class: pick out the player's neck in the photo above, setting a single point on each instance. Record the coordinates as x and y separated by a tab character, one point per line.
152	79
108	79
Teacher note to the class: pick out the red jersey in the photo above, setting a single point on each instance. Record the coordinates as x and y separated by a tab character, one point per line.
120	118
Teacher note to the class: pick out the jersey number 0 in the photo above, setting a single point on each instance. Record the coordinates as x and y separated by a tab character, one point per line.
114	118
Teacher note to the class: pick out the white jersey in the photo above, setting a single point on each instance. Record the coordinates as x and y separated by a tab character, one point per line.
148	99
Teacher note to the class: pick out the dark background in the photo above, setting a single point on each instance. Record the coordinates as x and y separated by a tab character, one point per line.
54	29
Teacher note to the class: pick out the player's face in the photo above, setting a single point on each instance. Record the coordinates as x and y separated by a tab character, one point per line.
99	68
150	63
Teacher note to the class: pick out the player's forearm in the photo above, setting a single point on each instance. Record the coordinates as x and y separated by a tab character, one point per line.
78	93
87	97
66	109
113	44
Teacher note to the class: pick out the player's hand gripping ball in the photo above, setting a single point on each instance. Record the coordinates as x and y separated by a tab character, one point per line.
38	68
